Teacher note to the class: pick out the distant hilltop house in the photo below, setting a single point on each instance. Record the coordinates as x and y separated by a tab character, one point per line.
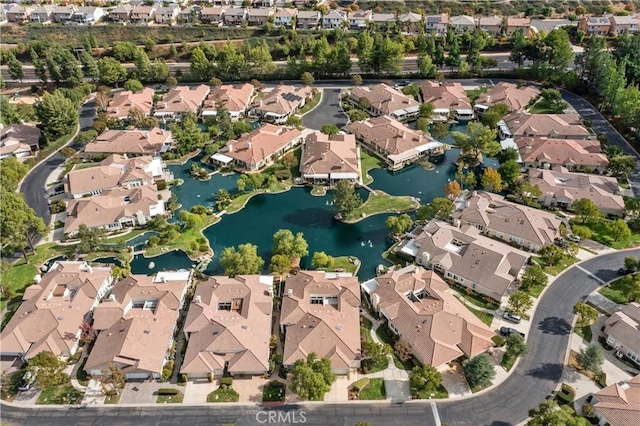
133	142
466	257
136	324
254	150
320	314
279	104
391	140
329	159
560	188
54	309
420	307
385	100
496	217
228	327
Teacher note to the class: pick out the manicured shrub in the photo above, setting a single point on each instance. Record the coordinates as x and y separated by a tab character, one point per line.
360	384
228	381
210	377
168	391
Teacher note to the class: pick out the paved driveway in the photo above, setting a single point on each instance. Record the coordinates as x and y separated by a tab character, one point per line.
142	392
327	111
454	381
196	391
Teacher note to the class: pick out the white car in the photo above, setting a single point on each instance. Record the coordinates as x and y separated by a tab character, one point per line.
573	238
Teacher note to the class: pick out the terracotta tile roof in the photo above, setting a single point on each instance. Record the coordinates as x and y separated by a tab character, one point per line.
53	309
550	125
325	155
329	330
140	338
562	152
513	21
423	309
286	13
239	335
445	95
602	190
234	98
624	326
254	147
134	141
493	212
182	99
112	206
514	97
620	403
282	100
385	99
124	102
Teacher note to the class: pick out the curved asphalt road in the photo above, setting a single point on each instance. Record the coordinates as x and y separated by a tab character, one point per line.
535	378
33	187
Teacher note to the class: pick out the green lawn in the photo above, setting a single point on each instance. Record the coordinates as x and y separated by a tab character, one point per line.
374	391
478	299
112	399
536	291
223	395
369	162
310	104
507	361
543	107
440	393
187	236
58	395
239	201
170	399
484	316
601	235
274	391
342	262
584	332
474	94
556	269
365	334
381	202
620	291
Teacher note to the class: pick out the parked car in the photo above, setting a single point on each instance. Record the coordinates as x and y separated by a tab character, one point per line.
511	317
626	271
573	238
507	331
559	242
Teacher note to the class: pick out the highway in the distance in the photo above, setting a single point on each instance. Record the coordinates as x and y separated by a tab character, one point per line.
534	379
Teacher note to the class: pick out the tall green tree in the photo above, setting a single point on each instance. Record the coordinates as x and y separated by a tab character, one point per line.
516	345
399	224
586	314
188	135
520	302
479	139
285	243
57	114
345	198
89	65
321	260
48	369
111	71
509	171
90	238
479	371
20	224
533	276
438	208
312	378
586	210
548	413
591	358
518	47
15	68
424	379
241	261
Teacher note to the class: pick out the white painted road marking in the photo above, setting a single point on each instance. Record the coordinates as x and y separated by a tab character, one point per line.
590	274
436	416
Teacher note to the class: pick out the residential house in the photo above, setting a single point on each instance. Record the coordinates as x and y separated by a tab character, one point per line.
595	25
329	159
320	314
142	15
181	100
254	150
278	105
137	323
448	98
116	171
19	140
166	15
558	126
236	99
191	13
62	14
515	98
123	103
466	257
619	404
496	217
492	25
212	15
42	14
383	21
560	188
619	24
546	25
410	22
385	100
334	18
285	17
132	142
394	142
263	4
17	13
221	3
308	19
258	17
463	23
121	13
514	24
437	23
228	327
622	330
115	209
54	309
421	308
235	16
88	15
358	20
4	8
573	154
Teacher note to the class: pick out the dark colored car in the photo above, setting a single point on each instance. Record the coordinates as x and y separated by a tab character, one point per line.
626	271
507	331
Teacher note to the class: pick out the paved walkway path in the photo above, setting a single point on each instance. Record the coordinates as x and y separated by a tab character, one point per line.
607	305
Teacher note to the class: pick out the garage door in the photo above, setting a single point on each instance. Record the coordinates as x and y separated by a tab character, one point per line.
136	376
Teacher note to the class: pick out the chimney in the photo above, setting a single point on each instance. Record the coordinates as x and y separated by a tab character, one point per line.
323	156
290	292
249	144
230	146
146	135
197	299
112	298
